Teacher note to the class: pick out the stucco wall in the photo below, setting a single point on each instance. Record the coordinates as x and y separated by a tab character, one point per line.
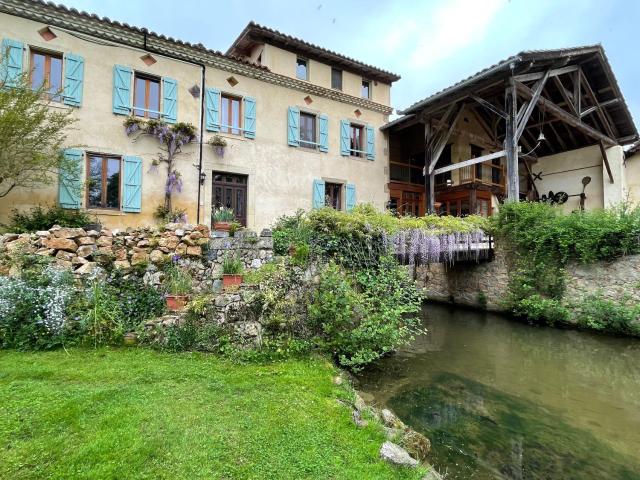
564	172
284	62
632	174
280	177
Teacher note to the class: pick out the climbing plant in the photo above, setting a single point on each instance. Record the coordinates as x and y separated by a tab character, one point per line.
172	138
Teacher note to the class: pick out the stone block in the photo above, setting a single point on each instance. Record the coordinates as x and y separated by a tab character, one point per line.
61	244
93	233
121	264
79	261
85	240
139	257
69	233
156	256
120	254
181	249
62	255
169	242
85	250
104	241
87	268
194	251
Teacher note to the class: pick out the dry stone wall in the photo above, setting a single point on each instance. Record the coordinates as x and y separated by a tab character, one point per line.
140	250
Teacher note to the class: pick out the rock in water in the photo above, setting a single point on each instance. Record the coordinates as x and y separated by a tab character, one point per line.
396	455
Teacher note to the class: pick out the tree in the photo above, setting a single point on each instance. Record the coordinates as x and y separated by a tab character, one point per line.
32	134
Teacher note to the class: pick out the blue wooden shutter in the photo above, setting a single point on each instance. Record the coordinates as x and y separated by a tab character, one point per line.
169	100
73	79
371	143
212	109
249	117
70	181
318	193
132	185
324	133
350	196
345	141
121	90
11	69
293	126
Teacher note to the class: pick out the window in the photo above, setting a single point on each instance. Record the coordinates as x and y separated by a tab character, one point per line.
357	141
46	69
146	96
308	130
333	195
103	182
336	79
230	121
302	69
365	91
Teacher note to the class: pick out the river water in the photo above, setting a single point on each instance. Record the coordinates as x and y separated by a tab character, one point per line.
501	399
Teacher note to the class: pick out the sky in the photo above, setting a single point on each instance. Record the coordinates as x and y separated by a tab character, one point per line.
431	44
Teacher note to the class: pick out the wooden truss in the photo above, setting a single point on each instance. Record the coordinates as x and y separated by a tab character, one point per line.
578	119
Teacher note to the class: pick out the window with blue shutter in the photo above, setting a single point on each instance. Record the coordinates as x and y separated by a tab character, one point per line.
212	109
11	68
293	126
169	100
324	133
318	193
73	79
132	185
345	141
121	90
350	196
249	117
70	179
371	143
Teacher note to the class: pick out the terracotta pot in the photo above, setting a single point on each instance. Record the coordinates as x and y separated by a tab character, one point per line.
231	281
175	303
222	226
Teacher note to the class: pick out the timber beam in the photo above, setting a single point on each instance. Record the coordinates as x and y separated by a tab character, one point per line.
471	161
549	107
528	77
605	160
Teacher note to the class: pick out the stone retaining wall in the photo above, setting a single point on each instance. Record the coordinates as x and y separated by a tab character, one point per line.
485	285
141	250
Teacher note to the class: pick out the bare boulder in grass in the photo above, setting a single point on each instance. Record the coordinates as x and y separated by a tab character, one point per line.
396	455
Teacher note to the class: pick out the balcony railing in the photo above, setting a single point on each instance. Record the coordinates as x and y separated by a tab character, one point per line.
484	173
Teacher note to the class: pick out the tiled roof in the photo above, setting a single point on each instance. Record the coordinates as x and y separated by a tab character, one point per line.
525	55
254	28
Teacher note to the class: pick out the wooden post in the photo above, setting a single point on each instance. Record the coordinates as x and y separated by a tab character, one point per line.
429	177
510	143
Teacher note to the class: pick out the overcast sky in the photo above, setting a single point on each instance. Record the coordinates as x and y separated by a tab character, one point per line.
431	43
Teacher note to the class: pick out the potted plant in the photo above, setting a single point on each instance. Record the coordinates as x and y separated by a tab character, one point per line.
178	284
222	218
234	227
231	273
218	143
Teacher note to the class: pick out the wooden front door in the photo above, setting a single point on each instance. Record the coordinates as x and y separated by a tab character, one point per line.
230	191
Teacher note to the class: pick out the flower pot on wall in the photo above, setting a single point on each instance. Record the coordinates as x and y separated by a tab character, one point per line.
222	226
176	303
230	282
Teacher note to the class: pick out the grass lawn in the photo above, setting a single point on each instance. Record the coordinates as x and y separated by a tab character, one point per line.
136	413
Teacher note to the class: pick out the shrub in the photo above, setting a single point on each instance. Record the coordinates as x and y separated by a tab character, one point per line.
290	231
541	310
597	313
138	301
163	215
101	319
33	308
360	317
43	218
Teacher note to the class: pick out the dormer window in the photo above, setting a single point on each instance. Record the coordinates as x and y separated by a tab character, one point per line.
302	68
365	91
336	79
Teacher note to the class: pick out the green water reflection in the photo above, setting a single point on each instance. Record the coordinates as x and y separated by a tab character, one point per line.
504	400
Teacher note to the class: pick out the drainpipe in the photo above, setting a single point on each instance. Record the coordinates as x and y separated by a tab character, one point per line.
146	48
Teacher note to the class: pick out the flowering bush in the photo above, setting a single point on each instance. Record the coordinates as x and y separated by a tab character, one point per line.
33	308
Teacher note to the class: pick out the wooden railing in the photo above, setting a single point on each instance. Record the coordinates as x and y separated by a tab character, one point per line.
485	173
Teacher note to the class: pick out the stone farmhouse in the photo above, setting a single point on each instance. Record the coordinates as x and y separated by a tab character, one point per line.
306	127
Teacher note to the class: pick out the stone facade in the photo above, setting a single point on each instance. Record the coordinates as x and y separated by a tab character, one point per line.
485	285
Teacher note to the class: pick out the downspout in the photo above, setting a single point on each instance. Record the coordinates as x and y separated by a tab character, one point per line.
146	48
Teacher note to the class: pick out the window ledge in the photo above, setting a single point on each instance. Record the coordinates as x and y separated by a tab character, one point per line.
231	136
100	211
57	105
